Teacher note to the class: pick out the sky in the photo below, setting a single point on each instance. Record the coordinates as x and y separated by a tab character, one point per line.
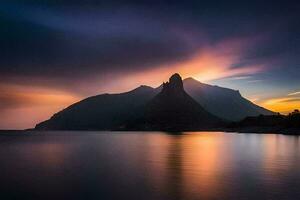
54	53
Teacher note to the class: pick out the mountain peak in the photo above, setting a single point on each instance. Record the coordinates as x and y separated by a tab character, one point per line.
175	79
173	109
175	83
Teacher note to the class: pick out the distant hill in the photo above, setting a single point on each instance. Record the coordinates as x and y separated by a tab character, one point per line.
223	102
173	109
114	111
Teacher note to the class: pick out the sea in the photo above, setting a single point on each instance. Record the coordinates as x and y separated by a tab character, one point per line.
148	165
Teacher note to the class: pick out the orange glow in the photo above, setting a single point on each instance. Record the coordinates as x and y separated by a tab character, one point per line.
23	107
51	155
202	154
26	105
193	160
283	105
210	63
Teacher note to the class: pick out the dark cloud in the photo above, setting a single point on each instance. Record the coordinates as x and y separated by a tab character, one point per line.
60	45
55	52
64	40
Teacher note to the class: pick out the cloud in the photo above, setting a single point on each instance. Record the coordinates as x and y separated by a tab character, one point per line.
239	78
255	81
294	93
81	41
282	104
82	48
210	63
56	43
282	100
291	100
23	107
16	96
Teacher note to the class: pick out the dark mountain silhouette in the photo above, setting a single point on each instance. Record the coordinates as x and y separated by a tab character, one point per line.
101	112
173	109
223	102
116	111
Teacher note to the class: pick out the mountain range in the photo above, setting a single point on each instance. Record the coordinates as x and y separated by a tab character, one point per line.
175	105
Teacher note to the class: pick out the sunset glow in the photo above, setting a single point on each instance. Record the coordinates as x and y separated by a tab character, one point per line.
53	57
26	106
283	105
151	100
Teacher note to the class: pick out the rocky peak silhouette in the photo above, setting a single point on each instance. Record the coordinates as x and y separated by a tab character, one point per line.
174	110
175	84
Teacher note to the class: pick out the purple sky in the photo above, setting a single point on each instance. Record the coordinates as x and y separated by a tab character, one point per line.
54	53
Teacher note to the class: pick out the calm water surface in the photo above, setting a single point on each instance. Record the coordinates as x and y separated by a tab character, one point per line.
131	165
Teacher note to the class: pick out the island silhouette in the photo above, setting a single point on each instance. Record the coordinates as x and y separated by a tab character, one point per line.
176	105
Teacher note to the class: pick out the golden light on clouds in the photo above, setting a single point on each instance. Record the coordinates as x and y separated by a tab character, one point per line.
23	107
209	66
210	63
283	105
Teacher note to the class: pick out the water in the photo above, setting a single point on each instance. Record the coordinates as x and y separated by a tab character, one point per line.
131	165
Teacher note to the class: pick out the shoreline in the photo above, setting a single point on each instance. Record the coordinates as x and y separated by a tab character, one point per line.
245	130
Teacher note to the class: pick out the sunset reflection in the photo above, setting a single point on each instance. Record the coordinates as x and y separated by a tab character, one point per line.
275	163
203	165
210	165
156	165
189	165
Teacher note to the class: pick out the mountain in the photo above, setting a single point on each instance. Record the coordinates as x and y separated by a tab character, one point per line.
173	109
101	112
114	111
223	102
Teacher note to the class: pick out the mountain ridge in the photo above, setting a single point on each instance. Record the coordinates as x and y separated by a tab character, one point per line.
108	111
223	102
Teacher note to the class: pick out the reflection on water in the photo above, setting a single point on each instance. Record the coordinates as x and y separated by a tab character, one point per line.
90	165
